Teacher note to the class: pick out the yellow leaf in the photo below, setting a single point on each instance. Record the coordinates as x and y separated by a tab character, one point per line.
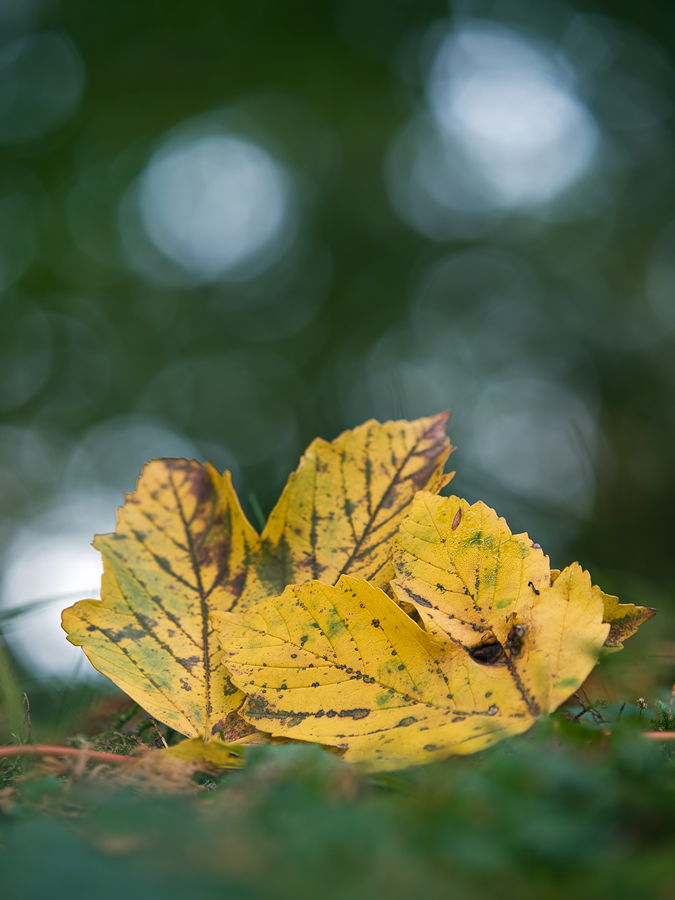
213	755
624	618
342	507
471	579
344	666
180	550
183	548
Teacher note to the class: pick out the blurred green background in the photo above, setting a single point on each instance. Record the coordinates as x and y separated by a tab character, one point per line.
227	227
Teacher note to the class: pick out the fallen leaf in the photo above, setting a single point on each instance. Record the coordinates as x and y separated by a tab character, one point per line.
180	549
624	618
490	591
183	548
342	508
212	755
344	666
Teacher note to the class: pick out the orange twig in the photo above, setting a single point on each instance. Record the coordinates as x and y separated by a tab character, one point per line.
660	735
47	750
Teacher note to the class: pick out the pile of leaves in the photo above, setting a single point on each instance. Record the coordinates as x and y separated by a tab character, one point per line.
372	616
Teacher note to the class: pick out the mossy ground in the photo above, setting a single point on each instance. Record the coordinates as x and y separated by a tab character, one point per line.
578	807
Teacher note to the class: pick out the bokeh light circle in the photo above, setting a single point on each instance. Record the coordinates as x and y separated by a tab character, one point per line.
214	203
513	111
49	565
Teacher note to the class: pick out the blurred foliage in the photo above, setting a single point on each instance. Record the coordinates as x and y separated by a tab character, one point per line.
89	341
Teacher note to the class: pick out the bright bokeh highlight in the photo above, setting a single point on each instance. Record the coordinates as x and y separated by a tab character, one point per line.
214	204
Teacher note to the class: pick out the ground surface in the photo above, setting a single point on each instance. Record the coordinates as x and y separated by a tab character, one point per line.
582	808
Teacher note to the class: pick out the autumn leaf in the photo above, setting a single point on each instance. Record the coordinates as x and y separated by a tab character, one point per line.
180	550
624	618
213	755
491	591
346	667
342	507
183	548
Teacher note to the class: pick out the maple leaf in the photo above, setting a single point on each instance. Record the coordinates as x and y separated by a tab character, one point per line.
183	548
180	549
624	618
343	506
472	580
345	666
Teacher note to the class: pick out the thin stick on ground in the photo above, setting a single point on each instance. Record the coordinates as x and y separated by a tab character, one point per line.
99	756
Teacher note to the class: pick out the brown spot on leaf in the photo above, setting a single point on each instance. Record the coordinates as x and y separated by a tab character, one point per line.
189	662
487	654
232	728
358	713
404	723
